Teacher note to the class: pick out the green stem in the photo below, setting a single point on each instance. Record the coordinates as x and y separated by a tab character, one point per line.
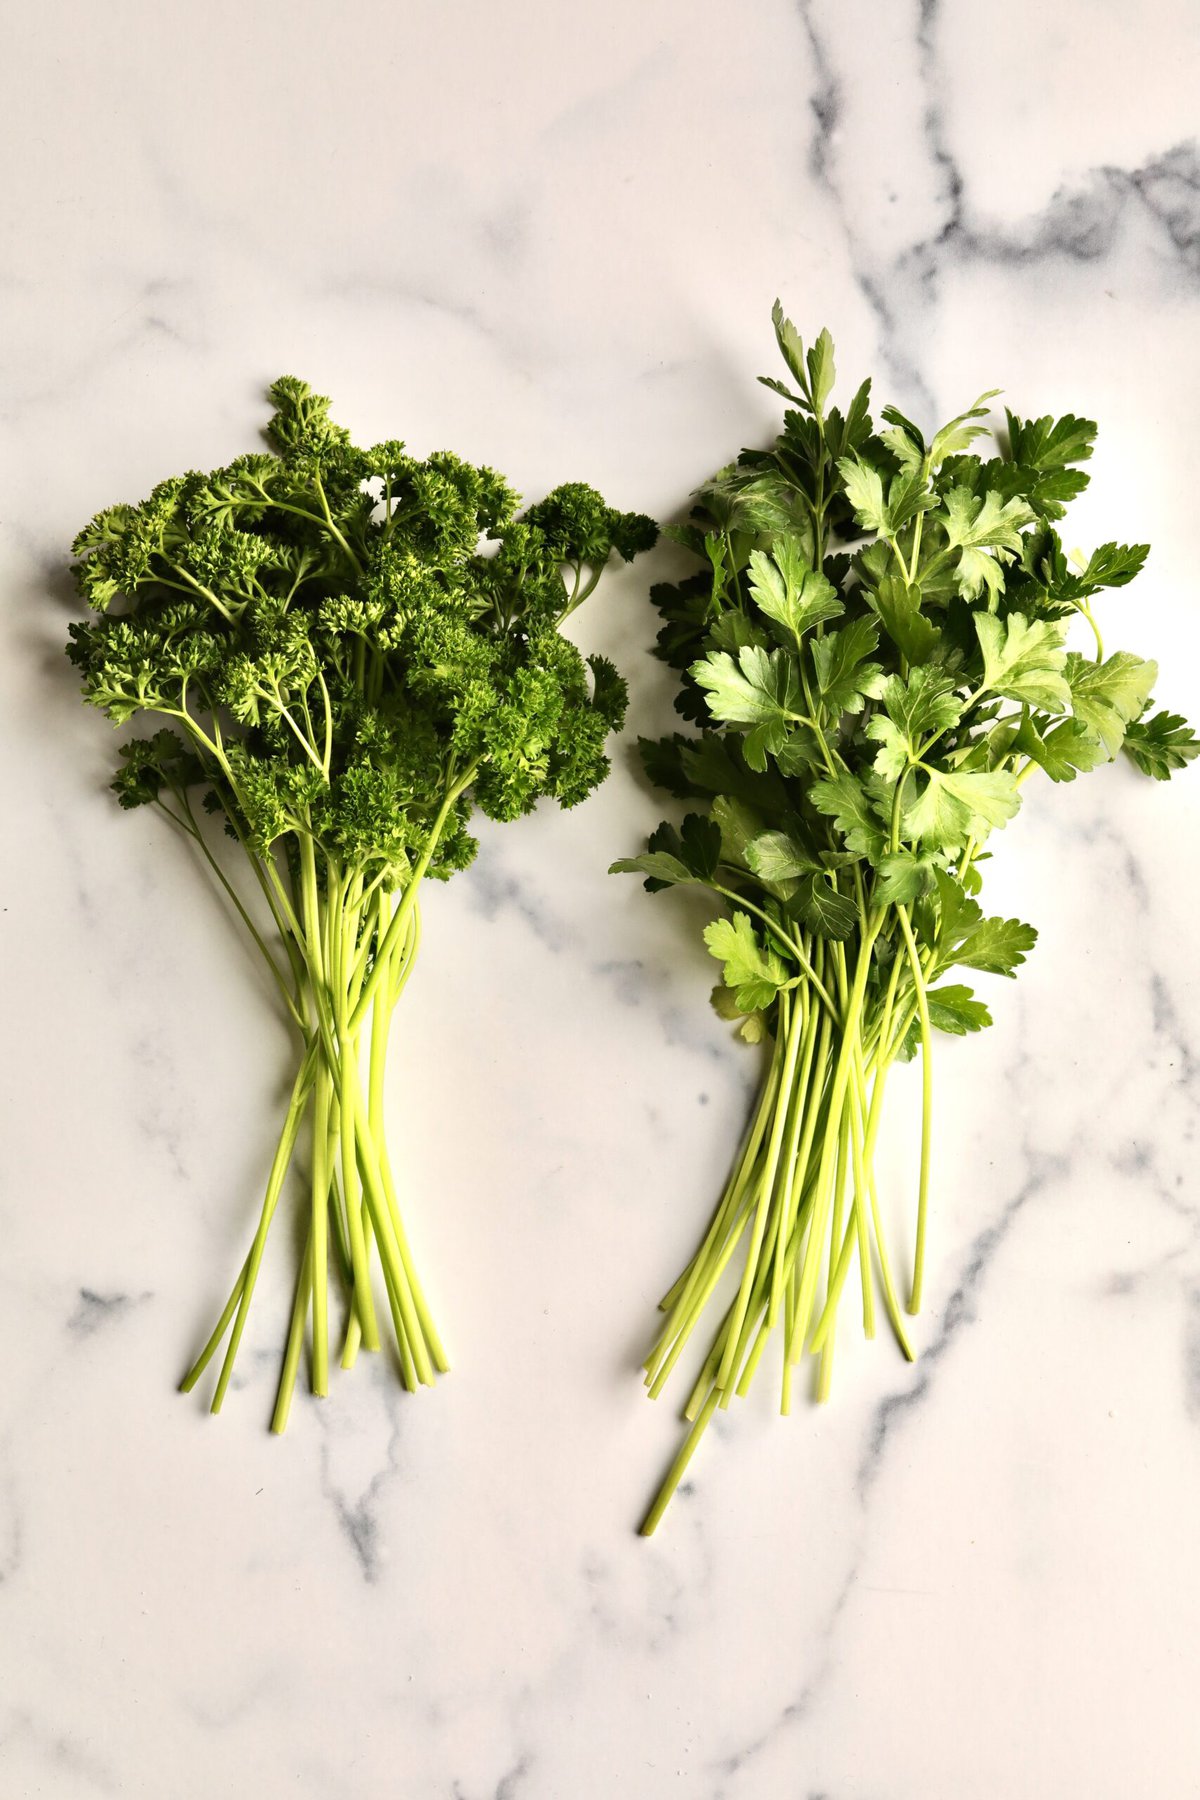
295	1341
766	1190
804	1105
676	1472
808	1279
289	999
823	1328
327	950
414	1311
825	1370
220	1328
858	1109
319	1233
402	914
686	1299
914	1300
279	1167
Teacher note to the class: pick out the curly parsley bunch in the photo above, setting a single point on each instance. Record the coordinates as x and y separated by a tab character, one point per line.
876	650
348	650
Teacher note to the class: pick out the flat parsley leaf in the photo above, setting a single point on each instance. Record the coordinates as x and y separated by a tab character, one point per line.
844	799
1023	660
898	608
826	912
687	855
954	806
762	690
1063	751
789	592
778	856
1160	745
956	1010
915	705
754	973
964	937
864	491
844	676
903	877
1108	696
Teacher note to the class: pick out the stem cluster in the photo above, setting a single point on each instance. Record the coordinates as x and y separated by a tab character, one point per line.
801	1205
352	945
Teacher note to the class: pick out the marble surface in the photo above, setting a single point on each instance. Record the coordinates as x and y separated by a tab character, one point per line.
550	237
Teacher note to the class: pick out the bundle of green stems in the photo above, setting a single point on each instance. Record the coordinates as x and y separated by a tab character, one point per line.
351	945
802	1199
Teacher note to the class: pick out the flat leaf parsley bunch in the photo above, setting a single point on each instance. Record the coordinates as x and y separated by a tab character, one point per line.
349	650
875	650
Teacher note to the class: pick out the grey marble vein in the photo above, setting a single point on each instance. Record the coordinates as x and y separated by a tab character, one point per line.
94	1311
359	1515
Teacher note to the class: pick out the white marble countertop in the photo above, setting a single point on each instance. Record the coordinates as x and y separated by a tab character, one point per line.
549	238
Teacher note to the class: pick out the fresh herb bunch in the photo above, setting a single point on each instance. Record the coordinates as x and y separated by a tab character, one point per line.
344	672
875	650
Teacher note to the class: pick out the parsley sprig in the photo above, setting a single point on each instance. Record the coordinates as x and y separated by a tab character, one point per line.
345	652
875	649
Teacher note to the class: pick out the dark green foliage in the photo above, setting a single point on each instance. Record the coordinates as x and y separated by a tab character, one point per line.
351	650
1161	744
337	606
875	648
887	701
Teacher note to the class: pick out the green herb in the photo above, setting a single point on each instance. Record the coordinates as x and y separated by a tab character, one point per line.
876	648
343	672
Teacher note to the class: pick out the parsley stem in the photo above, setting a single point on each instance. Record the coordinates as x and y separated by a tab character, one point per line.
219	1329
685	1300
802	1111
914	1299
329	978
319	1233
1082	606
679	1467
289	999
841	1077
401	916
421	1323
279	1167
198	587
841	1250
323	523
842	1170
301	739
791	1038
295	1339
857	1114
867	1151
689	1295
331	528
818	1079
